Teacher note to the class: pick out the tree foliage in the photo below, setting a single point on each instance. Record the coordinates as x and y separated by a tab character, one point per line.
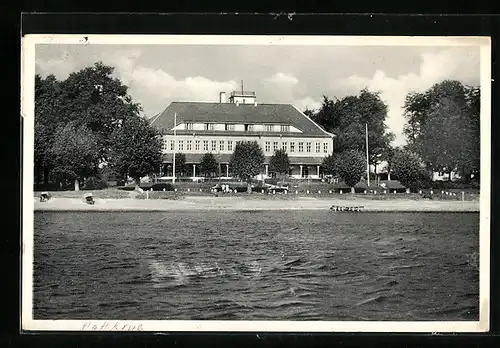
246	160
74	153
351	165
180	164
408	168
90	98
347	118
136	149
329	165
279	162
208	165
443	127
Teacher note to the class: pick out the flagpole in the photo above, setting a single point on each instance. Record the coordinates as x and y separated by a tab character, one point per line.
367	157
175	146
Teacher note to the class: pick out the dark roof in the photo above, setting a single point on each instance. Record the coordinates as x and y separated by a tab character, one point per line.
231	113
225	158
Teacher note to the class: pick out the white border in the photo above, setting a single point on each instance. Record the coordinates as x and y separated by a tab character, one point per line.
27	111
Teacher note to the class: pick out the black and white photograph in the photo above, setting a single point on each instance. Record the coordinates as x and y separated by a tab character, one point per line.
256	183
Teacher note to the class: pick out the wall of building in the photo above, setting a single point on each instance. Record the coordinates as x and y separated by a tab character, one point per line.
311	147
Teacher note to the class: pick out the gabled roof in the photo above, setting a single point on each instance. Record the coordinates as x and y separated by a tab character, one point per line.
198	112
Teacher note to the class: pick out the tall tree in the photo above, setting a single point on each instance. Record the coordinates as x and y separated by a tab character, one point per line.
348	117
246	161
136	149
74	154
92	96
443	127
351	165
279	163
47	119
208	165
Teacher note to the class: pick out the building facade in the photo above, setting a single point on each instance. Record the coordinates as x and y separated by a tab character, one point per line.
196	128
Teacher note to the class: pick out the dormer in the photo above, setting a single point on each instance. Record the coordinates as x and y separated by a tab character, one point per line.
242	97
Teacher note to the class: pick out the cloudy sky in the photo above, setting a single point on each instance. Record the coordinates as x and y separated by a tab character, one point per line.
299	75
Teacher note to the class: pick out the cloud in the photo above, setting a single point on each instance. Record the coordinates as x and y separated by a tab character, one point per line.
434	68
60	67
286	88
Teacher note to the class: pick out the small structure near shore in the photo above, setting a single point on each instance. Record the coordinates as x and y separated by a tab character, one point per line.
89	199
342	208
44	197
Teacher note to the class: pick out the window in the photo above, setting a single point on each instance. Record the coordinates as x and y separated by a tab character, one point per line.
181	145
292	146
230	127
165	144
284	146
172	145
301	146
268	146
249	127
214	145
318	147
269	127
188	145
275	146
285	128
205	145
308	147
209	126
189	126
221	145
325	147
197	145
229	145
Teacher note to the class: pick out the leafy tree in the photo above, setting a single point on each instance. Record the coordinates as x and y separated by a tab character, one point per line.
92	96
47	93
208	164
447	138
74	154
180	164
348	117
246	161
329	164
408	168
136	149
443	127
351	165
418	106
279	163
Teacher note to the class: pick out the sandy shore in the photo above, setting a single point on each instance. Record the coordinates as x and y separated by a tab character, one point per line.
239	203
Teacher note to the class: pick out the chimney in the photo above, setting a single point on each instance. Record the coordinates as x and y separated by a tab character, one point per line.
222	97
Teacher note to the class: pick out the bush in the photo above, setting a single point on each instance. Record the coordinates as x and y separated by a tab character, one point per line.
408	169
350	166
94	183
157	187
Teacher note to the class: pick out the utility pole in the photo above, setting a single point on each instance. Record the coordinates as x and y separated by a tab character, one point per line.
367	157
175	146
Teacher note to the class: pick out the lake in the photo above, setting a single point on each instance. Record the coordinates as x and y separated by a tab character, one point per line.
256	265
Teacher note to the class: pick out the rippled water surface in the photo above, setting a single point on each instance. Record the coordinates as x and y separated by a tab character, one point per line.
287	265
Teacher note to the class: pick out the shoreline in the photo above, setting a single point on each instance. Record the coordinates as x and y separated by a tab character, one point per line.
245	204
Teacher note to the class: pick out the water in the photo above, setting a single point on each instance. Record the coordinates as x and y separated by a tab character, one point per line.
287	265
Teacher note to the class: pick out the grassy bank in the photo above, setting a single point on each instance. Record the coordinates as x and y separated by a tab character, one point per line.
194	191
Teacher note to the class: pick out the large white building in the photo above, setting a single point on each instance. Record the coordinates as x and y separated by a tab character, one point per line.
203	127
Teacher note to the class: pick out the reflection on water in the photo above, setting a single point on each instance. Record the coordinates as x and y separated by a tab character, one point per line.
287	265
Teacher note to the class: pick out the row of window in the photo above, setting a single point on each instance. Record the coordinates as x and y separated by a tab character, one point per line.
290	147
248	127
206	145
